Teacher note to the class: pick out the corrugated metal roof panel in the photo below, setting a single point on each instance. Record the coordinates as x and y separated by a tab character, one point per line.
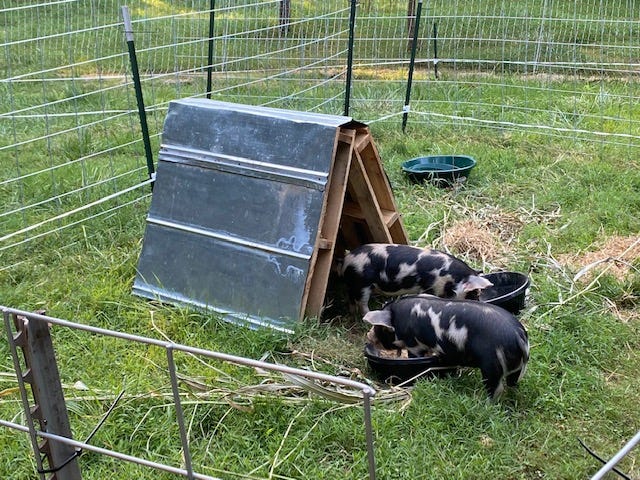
236	209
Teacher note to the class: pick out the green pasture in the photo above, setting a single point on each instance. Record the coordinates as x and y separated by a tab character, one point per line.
545	202
581	382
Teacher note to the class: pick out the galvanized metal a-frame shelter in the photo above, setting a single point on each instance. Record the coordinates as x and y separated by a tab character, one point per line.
250	205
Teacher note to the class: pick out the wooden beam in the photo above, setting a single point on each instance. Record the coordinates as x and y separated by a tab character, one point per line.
365	197
381	186
358	208
320	268
353	210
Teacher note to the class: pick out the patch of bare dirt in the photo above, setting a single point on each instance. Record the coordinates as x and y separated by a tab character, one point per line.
622	313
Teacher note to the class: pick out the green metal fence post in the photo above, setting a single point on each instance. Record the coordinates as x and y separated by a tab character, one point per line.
212	18
414	47
352	25
128	29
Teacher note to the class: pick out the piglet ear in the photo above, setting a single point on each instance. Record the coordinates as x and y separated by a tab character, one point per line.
379	317
476	282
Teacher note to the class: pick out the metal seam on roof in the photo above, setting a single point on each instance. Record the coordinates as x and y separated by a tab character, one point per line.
229	238
244	166
290	115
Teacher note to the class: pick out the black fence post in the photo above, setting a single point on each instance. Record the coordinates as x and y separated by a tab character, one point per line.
284	11
412	62
435	49
352	27
128	30
212	18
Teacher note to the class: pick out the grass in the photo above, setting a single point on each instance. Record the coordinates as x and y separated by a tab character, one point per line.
539	202
580	384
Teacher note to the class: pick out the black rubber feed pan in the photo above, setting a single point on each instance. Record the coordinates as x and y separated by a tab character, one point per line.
508	291
395	370
443	170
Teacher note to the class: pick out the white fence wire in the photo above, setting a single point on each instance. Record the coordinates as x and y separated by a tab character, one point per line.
547	66
71	149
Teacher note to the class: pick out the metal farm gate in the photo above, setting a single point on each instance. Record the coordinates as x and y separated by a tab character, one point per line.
57	454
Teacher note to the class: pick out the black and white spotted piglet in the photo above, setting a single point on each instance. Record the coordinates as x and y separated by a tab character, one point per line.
400	269
460	332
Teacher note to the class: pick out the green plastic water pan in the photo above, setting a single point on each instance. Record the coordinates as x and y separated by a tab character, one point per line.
440	169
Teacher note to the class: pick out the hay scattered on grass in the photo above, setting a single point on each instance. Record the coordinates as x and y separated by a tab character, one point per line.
485	235
617	254
474	241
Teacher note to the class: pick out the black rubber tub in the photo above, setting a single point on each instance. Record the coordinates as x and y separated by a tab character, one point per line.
508	291
398	370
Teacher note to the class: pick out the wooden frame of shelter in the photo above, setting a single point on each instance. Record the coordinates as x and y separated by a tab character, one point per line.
359	208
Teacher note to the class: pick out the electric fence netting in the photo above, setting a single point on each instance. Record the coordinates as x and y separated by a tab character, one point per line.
559	68
71	147
76	160
72	152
